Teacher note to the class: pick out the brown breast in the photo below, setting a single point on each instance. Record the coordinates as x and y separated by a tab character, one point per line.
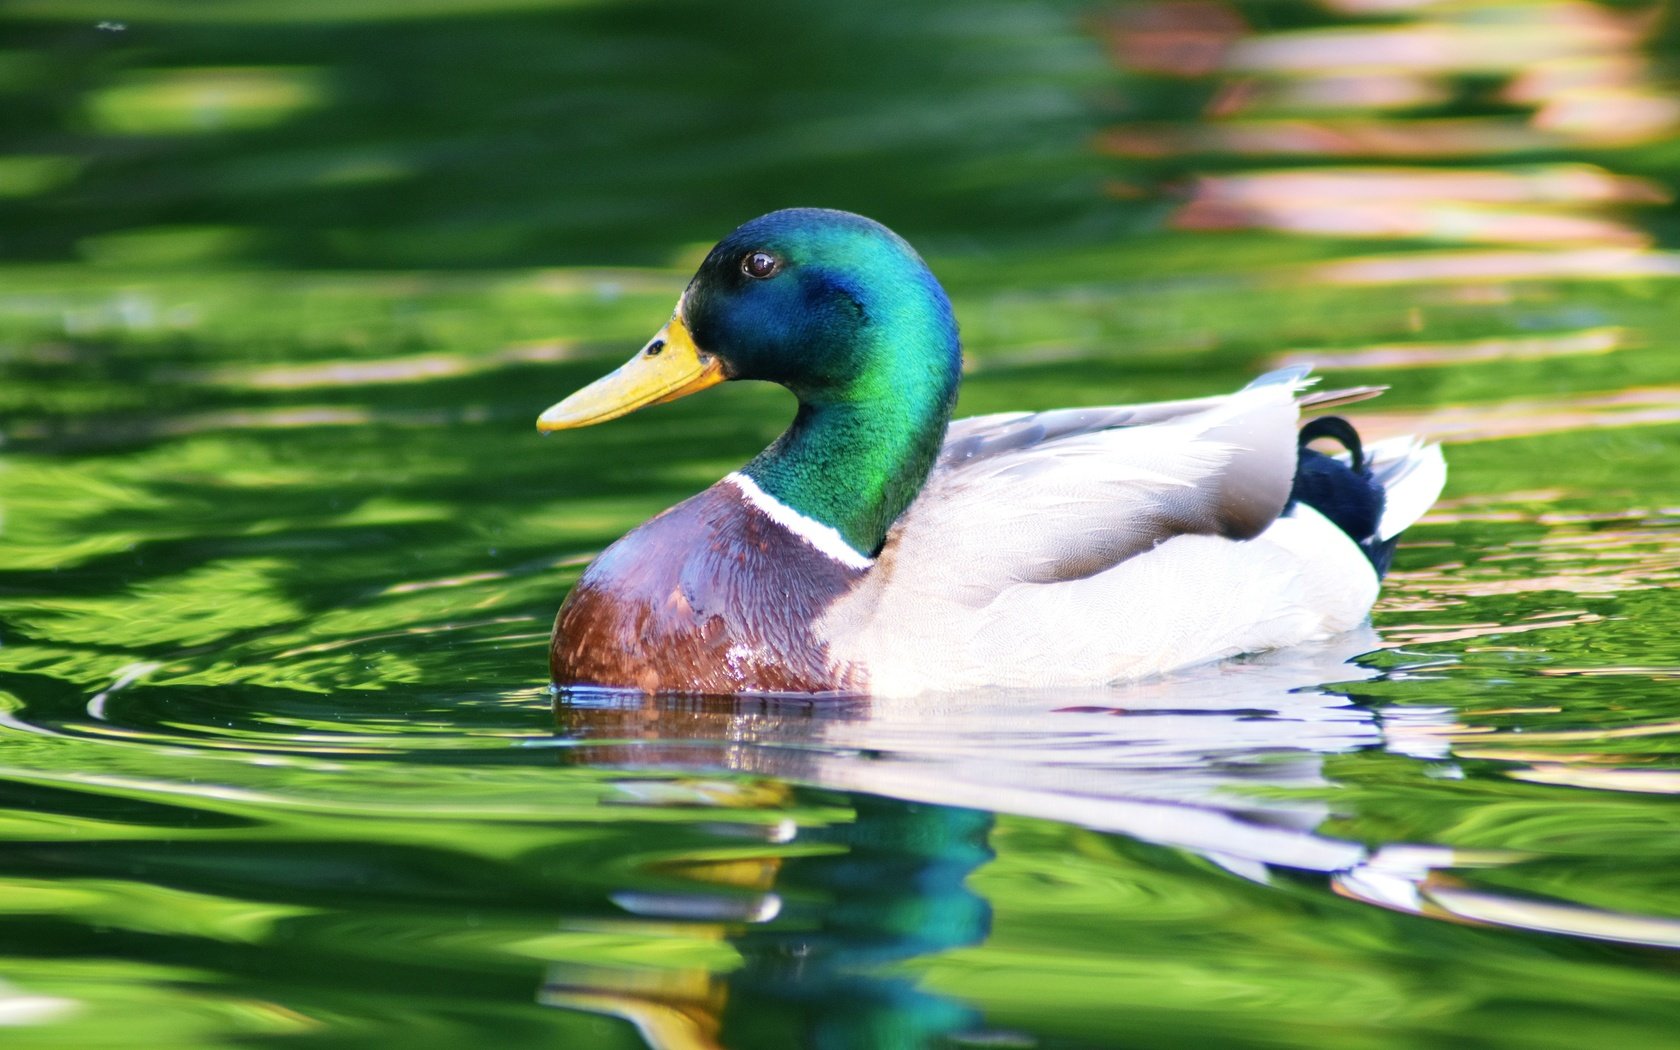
710	597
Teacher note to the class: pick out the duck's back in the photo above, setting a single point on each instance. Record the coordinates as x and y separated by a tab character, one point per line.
712	596
1079	547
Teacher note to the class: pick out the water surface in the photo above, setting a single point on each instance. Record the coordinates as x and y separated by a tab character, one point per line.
284	286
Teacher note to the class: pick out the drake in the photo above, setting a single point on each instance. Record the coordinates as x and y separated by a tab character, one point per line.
878	547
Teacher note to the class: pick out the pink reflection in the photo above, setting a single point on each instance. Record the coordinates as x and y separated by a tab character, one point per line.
1548	184
1341	90
1429	355
1183	38
1443	137
1538	84
1576	69
1382	7
1410	221
1610	264
1638	406
1503	39
1608	117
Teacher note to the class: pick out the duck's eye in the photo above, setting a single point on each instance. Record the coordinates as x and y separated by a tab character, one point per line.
760	264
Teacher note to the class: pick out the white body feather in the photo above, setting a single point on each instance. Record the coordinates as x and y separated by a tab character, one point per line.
1079	548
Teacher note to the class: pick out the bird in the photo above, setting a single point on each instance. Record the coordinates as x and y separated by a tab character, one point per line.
879	548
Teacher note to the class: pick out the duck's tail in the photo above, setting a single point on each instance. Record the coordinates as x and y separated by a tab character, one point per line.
1372	492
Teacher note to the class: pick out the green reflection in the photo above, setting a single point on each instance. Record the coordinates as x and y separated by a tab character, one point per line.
203	101
24	176
282	286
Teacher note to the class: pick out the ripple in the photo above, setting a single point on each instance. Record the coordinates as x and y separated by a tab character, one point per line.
256	719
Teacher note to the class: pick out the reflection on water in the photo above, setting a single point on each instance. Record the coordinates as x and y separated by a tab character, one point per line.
1519	80
1227	762
1396	356
279	551
885	887
1184	762
1159	761
1472	207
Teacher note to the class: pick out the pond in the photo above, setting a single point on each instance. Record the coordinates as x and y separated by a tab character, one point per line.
283	288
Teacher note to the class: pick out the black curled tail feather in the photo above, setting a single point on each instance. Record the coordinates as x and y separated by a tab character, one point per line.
1337	429
1343	491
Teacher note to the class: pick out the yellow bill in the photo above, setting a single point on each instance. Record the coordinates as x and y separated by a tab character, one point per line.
668	367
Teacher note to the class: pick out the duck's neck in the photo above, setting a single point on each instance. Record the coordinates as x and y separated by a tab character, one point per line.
854	463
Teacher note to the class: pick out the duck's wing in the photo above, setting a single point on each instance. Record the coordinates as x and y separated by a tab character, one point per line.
1063	495
980	436
1050	551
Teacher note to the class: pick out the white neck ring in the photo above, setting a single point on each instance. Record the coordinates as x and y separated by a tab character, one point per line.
825	538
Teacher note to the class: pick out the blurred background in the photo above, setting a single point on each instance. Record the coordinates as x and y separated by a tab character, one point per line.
373	134
285	283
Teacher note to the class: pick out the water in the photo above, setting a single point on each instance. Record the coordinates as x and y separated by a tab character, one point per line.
284	287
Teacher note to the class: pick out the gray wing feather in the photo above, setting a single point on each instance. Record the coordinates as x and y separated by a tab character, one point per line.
979	436
1050	496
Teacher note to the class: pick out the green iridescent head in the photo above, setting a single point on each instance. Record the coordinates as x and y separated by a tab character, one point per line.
826	303
844	313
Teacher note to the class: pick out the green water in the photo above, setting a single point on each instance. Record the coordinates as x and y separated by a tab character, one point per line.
284	286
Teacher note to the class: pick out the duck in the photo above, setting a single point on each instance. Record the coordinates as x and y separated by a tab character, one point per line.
880	548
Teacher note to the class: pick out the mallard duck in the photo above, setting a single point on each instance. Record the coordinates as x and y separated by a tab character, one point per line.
877	547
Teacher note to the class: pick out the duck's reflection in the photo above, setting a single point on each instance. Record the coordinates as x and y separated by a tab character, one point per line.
1227	762
814	918
812	933
1174	761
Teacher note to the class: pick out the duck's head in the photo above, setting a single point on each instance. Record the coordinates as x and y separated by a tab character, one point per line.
833	306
